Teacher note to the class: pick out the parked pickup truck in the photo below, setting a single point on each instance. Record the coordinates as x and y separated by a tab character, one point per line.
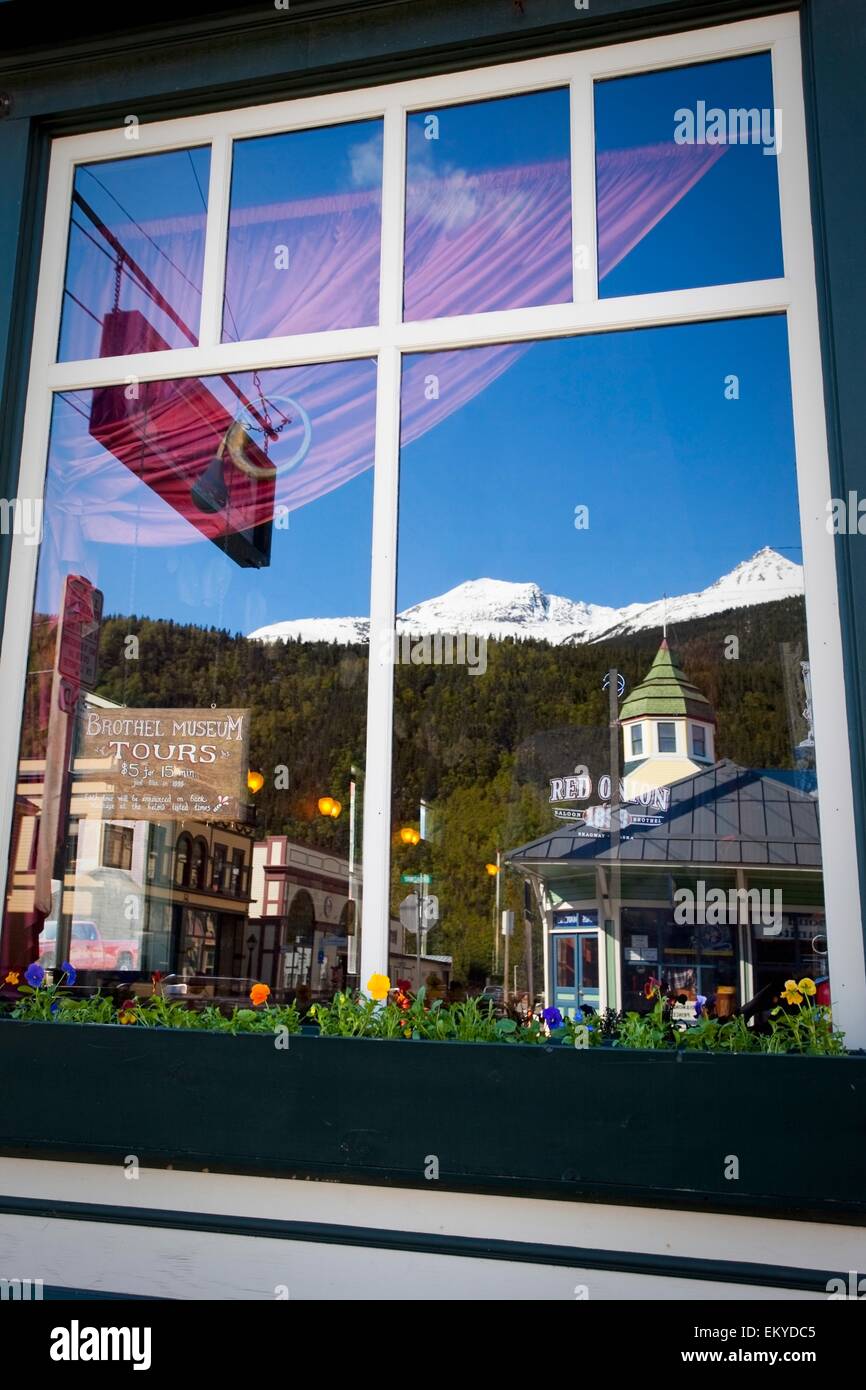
88	950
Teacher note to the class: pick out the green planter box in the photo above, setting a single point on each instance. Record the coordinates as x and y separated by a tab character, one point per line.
650	1127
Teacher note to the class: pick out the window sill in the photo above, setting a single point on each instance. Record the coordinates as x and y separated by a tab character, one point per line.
651	1128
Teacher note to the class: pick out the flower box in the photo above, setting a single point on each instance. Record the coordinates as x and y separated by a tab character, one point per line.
658	1128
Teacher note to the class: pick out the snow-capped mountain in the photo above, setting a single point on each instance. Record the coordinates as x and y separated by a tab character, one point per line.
497	608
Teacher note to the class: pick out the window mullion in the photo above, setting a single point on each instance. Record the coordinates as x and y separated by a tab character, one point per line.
216	240
383	574
584	259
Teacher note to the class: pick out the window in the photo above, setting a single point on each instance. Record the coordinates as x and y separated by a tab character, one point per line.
117	847
511	298
183	850
667	737
219	868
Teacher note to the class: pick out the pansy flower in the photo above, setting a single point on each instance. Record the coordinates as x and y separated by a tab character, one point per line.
34	975
552	1017
259	993
378	986
12	978
791	993
807	986
70	972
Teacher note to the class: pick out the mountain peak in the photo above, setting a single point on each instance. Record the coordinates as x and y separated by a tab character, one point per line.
503	608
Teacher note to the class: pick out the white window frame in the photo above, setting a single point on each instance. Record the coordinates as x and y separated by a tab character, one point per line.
794	294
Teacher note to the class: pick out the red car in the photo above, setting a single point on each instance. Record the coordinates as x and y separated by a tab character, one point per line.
88	950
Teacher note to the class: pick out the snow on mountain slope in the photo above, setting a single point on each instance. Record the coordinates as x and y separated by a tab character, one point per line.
497	608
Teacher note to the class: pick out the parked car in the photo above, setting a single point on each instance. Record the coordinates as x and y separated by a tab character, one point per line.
88	949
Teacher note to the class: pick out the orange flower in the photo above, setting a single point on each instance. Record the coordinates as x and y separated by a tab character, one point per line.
12	978
126	1017
259	993
378	986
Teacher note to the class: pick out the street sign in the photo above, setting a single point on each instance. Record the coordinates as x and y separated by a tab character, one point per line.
416	878
508	922
409	913
430	909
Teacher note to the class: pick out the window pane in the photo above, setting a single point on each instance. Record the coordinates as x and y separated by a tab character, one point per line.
565	962
528	602
488	206
304	232
686	178
195	687
667	737
136	250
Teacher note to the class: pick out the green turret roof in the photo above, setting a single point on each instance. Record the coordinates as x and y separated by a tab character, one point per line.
666	693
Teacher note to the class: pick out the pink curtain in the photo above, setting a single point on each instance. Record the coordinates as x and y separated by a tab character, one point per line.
496	239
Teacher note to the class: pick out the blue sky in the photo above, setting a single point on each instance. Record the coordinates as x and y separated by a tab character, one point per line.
681	483
727	227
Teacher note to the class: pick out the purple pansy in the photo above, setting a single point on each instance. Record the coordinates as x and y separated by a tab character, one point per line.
552	1017
34	975
70	972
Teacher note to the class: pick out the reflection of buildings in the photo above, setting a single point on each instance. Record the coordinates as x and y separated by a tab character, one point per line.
608	899
163	896
303	922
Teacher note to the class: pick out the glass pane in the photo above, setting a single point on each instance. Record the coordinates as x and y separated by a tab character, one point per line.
686	177
136	250
565	962
534	610
589	956
488	206
191	781
304	232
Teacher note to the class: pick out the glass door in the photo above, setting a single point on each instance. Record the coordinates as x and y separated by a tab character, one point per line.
575	971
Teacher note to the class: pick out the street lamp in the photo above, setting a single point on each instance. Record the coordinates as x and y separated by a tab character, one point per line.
255	781
409	835
330	806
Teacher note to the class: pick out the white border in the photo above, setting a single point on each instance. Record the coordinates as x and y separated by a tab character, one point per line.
795	295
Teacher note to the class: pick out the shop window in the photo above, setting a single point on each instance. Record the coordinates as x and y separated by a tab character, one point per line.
222	517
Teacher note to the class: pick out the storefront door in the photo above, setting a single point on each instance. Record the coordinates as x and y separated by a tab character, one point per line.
575	971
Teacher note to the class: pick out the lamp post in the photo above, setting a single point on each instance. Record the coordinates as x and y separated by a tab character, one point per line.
494	872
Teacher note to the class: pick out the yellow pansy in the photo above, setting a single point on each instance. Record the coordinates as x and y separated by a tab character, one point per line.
807	986
378	986
791	993
12	978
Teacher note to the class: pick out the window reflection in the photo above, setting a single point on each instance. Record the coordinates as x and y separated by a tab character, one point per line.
488	206
135	257
538	613
197	685
304	232
686	177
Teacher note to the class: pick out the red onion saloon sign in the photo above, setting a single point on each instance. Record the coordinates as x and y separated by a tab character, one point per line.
151	764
